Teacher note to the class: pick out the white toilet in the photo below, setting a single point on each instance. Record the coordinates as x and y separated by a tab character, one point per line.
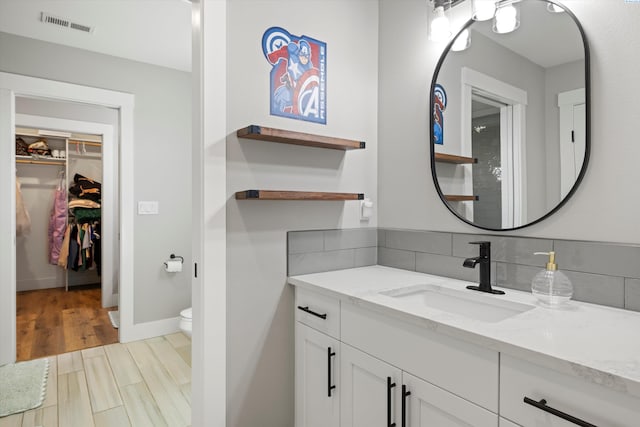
186	320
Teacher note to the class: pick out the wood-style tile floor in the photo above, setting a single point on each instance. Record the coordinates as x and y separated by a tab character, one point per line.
54	321
143	383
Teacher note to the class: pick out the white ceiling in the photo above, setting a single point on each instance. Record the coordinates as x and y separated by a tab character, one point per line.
153	31
548	39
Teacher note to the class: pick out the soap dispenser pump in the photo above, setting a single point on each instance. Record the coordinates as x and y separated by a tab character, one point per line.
551	286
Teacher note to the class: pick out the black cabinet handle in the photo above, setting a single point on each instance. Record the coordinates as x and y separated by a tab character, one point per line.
390	385
405	394
330	387
306	310
542	404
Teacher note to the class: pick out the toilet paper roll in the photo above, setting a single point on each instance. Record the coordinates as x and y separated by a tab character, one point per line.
173	265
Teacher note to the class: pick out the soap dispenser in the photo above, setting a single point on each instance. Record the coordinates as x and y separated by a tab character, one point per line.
552	287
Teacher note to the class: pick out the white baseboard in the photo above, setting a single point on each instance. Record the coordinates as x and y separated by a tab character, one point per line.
37	284
141	331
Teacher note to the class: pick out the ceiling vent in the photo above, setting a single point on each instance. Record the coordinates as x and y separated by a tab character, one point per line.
47	18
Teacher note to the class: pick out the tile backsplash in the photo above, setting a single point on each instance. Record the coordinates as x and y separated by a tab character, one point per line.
326	250
601	273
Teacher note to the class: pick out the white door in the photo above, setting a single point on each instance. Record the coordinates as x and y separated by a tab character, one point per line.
7	229
370	394
317	379
428	406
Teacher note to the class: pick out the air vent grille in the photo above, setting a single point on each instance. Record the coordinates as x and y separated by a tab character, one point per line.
47	18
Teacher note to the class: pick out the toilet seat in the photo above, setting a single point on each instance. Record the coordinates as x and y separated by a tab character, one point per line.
187	313
186	319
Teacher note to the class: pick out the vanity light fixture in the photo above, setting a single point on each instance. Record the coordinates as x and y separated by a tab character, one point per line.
483	10
506	19
440	26
462	42
554	8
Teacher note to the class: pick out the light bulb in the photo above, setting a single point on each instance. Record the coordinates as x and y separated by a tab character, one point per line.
483	9
462	42
553	8
506	19
440	29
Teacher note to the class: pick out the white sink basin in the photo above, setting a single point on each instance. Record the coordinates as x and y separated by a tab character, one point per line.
471	304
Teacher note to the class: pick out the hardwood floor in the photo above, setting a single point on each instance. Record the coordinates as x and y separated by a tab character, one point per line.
142	383
53	321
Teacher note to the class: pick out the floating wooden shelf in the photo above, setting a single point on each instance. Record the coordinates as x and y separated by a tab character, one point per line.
460	198
295	195
450	158
298	138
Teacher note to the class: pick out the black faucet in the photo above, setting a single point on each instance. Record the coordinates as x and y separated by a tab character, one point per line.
485	268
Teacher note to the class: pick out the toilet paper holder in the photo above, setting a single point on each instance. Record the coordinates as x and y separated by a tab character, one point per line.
174	256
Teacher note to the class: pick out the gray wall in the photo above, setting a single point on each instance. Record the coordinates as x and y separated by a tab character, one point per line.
260	333
407	197
162	135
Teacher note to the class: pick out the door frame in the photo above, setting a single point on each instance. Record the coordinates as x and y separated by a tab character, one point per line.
516	98
109	181
12	86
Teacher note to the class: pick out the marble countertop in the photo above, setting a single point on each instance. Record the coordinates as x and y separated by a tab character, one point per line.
597	343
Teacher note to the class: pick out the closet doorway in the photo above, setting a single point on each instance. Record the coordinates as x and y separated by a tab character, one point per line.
13	87
65	263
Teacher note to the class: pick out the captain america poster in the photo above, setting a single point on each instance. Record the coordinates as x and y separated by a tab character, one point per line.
298	77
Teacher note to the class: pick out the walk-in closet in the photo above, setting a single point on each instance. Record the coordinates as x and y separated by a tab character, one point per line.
59	247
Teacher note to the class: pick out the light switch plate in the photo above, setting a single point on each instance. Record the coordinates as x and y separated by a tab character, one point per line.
148	208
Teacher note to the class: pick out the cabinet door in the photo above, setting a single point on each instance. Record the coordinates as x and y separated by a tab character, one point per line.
317	393
533	395
506	423
369	396
429	406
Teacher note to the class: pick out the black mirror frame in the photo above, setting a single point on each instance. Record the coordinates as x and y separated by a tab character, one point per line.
587	84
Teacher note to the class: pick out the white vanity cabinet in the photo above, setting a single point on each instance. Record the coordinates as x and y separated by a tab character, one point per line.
317	375
369	396
426	405
467	370
506	423
592	399
375	393
406	366
317	360
387	372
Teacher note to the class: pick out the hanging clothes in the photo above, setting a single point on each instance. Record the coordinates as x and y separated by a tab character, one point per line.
58	221
23	220
86	188
97	246
63	259
74	249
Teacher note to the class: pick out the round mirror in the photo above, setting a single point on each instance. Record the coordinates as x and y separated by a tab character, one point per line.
510	115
